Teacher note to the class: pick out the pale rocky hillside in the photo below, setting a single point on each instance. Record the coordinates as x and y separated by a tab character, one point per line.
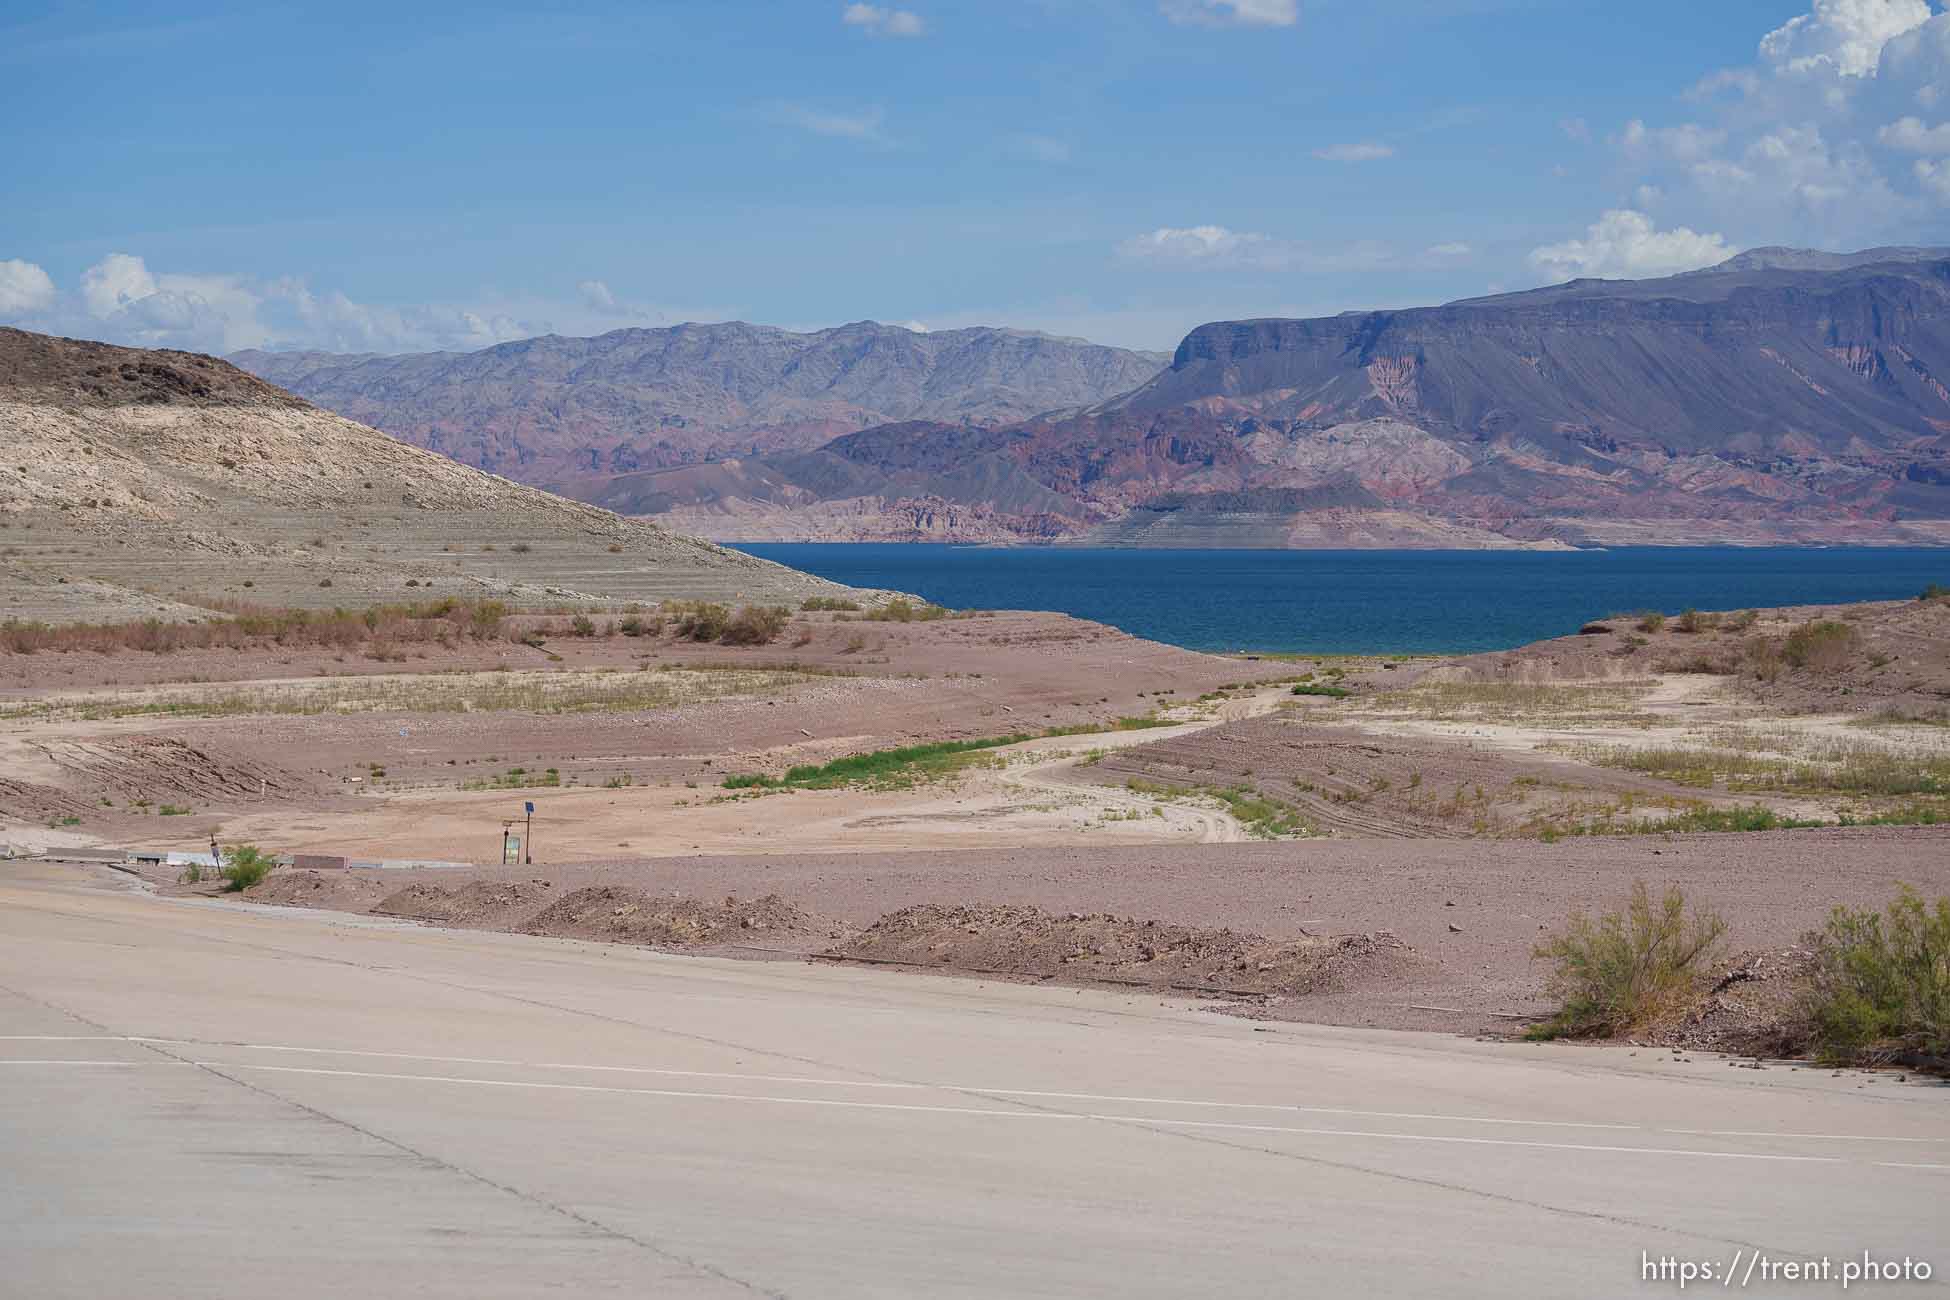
136	483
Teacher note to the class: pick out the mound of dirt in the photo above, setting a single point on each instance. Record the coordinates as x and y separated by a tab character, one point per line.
477	905
614	915
1101	948
341	891
1757	1007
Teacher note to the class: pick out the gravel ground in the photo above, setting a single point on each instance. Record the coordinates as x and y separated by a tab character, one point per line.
1470	910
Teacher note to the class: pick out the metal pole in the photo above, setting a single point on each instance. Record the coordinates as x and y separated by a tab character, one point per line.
504	842
528	841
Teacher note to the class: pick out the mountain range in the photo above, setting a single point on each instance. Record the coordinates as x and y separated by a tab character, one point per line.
1786	395
562	411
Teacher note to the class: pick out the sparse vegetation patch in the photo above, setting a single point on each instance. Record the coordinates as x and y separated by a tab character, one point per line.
1628	966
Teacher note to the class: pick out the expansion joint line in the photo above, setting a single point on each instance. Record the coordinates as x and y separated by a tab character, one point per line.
582	1220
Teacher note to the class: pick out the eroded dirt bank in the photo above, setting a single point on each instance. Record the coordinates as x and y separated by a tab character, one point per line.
1466	914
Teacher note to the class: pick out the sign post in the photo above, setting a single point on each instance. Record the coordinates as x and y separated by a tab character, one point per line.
528	839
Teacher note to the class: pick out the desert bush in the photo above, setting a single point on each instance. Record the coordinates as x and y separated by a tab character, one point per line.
1824	646
1761	659
1882	982
1316	688
238	625
245	865
902	610
485	618
1624	968
755	625
700	620
582	625
1651	622
1935	591
1691	620
880	767
814	604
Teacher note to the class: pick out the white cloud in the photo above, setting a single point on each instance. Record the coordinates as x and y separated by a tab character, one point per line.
25	290
1815	142
863	125
1687	142
1934	177
1232	13
1213	244
1217	248
1453	249
1845	36
113	283
596	295
1911	136
1575	128
1625	244
120	299
883	22
1361	151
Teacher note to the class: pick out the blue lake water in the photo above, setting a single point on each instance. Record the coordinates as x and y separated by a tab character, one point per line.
1365	602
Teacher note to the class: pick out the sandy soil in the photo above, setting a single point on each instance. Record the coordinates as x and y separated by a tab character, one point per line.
1424	869
384	771
1469	912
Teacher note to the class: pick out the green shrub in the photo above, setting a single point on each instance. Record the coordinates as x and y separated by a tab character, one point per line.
902	610
814	604
1882	982
582	625
700	620
755	625
1624	968
1316	688
1825	646
1935	591
1651	622
881	766
245	865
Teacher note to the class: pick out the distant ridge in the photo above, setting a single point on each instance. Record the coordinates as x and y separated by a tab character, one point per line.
1813	259
555	410
1784	396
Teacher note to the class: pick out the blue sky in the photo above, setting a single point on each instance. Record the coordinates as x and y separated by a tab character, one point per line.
398	177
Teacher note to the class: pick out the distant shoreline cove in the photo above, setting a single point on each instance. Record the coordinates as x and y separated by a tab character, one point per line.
1366	601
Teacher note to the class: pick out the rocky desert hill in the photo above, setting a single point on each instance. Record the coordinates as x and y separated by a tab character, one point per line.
1785	396
567	412
131	480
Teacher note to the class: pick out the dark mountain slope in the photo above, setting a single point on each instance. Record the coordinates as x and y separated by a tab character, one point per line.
1785	396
